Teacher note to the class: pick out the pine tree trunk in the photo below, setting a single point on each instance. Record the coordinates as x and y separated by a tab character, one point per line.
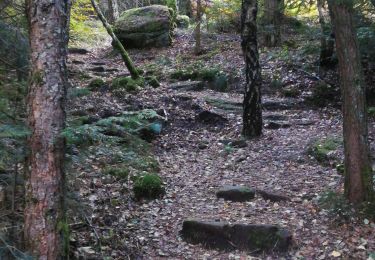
124	54
358	172
327	42
113	11
252	114
272	15
197	31
44	198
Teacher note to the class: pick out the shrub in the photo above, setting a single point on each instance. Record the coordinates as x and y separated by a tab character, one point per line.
149	186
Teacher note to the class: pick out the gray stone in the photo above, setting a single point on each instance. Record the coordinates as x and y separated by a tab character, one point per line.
188	85
277	125
278	105
182	21
149	26
236	193
272	196
275	117
211	117
247	237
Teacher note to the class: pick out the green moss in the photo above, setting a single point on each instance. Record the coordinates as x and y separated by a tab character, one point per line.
120	172
149	186
128	84
96	84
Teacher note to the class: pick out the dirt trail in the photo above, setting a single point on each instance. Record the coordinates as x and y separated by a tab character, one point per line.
194	164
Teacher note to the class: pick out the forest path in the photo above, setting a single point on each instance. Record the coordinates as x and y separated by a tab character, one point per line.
194	163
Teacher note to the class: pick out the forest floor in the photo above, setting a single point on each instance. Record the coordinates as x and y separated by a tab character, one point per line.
194	163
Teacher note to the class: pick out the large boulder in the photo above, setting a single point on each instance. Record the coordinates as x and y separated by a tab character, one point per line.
149	26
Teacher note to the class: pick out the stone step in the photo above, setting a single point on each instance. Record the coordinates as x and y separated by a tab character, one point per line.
246	237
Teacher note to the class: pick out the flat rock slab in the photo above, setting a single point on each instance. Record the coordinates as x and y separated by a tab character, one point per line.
247	237
187	85
278	105
235	143
272	196
211	117
236	193
277	125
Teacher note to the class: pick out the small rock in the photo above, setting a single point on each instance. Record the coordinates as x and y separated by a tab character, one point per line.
210	117
236	193
275	117
277	125
98	69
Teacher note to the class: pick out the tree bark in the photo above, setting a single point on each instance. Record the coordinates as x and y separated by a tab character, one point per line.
113	11
252	114
124	54
197	31
327	42
45	185
272	14
358	171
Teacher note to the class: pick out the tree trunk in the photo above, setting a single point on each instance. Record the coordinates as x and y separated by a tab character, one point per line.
125	56
252	114
197	31
272	14
358	172
113	11
45	185
327	42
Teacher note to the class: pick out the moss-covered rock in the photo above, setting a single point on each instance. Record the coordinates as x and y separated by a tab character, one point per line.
324	151
149	26
149	186
182	21
213	78
96	84
223	236
128	84
236	193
